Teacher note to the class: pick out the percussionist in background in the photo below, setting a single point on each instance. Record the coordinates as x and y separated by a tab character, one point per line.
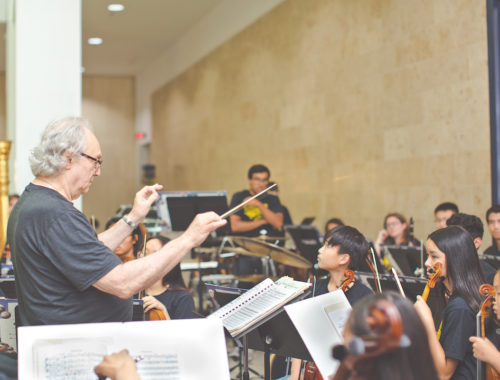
65	273
262	216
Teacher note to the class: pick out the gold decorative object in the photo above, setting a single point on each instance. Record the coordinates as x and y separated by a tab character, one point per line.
4	190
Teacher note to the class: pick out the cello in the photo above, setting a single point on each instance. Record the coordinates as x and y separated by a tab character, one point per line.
484	313
311	371
386	335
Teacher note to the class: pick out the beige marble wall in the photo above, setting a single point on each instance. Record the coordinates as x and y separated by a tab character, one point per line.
358	107
109	104
3	115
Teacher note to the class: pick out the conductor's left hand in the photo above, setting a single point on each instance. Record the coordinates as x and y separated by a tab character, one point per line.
143	201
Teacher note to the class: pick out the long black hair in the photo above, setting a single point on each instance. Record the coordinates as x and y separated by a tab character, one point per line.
137	234
462	263
405	363
174	277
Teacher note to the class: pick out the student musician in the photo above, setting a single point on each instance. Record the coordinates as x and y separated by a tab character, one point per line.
396	232
493	219
332	223
169	295
461	278
443	212
344	248
473	225
131	245
409	360
482	348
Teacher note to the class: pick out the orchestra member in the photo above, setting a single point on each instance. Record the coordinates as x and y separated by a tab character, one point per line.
462	276
332	223
287	218
131	245
344	248
473	225
410	361
262	216
396	232
169	295
493	220
443	212
65	273
482	348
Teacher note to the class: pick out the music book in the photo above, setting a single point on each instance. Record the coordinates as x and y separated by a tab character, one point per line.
258	303
189	349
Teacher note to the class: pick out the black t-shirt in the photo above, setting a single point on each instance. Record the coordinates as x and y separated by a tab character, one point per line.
57	257
492	250
353	294
488	270
179	303
458	324
251	213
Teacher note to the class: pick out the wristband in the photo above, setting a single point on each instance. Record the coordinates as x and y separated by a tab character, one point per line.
129	221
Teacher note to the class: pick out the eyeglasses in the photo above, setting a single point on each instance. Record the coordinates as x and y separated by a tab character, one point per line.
98	163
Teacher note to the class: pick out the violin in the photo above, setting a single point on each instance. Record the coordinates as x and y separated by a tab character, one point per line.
485	310
153	314
431	283
385	335
311	372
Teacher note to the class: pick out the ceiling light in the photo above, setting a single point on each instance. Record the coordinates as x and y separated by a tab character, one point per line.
116	7
95	41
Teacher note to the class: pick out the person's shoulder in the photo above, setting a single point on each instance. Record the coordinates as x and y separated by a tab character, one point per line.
491	250
457	303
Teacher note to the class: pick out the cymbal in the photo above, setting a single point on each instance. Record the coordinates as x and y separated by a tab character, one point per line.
281	255
240	251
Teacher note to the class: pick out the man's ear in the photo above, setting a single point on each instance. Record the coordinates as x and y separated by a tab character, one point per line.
69	158
478	241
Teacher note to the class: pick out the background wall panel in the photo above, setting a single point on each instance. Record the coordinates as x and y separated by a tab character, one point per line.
358	107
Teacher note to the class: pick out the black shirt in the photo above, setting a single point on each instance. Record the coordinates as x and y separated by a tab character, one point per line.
251	213
179	303
488	270
492	250
353	294
458	324
57	258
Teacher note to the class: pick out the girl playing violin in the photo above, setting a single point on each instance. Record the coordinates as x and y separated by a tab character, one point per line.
344	249
395	359
131	245
483	349
461	277
169	295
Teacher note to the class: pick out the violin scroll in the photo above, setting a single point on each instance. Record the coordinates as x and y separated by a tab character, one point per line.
431	283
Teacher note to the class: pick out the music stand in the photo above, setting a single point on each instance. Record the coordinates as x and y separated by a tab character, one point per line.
412	286
405	259
307	241
178	209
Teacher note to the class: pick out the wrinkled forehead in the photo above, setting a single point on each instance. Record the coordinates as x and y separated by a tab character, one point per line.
93	146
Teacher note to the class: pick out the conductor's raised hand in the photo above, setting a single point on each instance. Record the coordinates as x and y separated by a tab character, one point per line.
143	200
202	226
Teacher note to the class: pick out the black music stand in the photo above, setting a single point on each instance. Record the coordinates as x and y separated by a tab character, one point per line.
412	287
261	335
307	241
405	259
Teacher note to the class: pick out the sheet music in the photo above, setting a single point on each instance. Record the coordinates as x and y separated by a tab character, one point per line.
170	350
320	323
257	303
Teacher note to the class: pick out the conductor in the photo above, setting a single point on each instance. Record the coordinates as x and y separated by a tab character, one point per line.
65	272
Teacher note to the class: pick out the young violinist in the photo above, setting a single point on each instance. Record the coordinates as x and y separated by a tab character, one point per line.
483	348
408	361
131	245
344	248
169	295
461	278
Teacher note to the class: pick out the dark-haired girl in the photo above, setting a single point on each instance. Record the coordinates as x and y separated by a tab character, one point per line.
170	294
410	362
461	278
